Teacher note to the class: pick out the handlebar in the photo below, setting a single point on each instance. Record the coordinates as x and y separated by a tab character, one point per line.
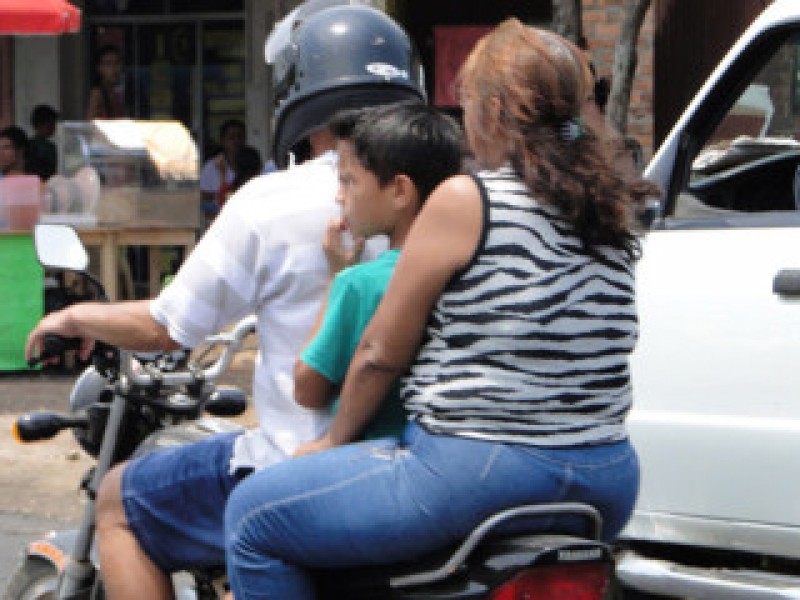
52	346
148	375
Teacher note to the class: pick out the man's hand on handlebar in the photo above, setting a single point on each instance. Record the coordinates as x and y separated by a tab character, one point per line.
39	347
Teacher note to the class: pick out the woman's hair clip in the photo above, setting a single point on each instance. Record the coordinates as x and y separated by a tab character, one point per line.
571	129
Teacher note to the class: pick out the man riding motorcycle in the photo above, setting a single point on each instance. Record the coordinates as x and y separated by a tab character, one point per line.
163	512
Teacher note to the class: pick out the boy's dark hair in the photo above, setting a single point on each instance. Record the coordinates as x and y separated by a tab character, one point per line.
408	138
43	114
17	136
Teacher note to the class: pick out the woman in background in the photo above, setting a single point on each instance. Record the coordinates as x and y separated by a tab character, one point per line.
13	149
106	100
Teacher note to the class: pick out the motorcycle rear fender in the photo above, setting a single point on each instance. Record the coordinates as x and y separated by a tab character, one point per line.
493	562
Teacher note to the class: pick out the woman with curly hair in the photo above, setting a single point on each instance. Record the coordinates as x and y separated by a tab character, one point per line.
106	100
515	291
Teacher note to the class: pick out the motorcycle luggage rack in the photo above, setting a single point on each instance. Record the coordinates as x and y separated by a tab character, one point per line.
478	534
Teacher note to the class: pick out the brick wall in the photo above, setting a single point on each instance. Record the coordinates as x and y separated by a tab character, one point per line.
601	27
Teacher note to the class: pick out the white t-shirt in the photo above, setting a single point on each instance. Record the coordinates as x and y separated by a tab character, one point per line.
209	175
263	255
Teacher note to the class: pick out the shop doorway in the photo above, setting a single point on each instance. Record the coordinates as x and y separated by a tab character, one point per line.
425	22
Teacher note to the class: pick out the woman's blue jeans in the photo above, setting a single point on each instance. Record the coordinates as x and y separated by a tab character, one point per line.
380	502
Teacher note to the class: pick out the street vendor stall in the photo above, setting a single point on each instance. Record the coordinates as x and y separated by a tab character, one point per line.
121	184
124	183
22	300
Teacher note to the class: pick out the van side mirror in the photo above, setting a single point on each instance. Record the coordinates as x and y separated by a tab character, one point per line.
651	214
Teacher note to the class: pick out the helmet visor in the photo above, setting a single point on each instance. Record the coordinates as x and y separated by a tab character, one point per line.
279	48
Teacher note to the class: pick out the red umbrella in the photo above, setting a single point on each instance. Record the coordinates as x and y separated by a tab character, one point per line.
29	17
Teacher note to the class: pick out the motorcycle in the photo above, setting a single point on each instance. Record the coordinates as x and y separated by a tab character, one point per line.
124	404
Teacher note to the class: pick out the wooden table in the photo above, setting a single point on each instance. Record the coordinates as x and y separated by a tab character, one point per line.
111	239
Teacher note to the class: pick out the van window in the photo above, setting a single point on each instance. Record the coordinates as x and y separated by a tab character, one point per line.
748	166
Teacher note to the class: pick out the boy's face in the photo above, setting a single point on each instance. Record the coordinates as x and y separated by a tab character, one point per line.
366	205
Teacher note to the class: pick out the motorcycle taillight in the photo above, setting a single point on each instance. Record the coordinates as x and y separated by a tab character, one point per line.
576	581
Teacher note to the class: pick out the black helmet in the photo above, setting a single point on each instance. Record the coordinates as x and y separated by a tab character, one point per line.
339	57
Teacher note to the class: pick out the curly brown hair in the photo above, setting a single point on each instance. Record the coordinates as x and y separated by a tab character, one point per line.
520	88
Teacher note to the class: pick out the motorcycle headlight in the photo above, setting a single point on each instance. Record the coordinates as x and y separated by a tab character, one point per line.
91	395
88	389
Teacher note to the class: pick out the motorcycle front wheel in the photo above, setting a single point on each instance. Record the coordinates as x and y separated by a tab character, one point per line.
34	579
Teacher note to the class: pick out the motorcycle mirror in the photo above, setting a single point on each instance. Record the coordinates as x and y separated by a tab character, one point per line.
59	247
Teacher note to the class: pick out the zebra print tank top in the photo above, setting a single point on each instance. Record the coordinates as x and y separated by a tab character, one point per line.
530	342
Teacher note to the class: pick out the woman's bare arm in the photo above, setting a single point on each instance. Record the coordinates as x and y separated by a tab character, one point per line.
441	241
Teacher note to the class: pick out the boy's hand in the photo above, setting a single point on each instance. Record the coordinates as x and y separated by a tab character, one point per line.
340	254
323	443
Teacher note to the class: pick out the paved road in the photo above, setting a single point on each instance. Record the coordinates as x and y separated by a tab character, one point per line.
37	481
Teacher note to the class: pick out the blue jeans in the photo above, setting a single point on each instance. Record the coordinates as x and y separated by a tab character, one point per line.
381	502
174	501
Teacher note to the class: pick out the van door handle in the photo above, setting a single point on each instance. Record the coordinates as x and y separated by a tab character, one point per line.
787	282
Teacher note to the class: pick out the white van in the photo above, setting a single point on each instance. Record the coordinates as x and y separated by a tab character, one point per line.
716	418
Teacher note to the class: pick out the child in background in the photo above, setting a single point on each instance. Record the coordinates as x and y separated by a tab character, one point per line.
41	150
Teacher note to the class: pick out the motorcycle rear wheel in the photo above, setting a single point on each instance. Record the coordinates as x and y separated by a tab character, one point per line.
34	579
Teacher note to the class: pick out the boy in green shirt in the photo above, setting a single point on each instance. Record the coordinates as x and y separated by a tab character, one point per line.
390	159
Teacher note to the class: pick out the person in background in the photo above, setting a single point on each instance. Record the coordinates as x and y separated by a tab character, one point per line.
106	100
248	165
219	171
42	157
510	315
13	150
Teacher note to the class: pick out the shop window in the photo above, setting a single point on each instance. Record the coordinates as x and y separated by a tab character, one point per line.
223	78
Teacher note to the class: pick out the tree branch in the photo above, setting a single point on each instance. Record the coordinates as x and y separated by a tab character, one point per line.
567	19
